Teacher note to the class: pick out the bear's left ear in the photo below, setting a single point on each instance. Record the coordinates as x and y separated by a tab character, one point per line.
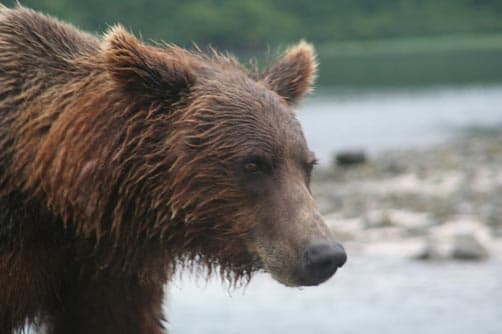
145	70
294	73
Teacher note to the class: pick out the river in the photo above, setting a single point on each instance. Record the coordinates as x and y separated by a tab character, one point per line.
371	294
376	120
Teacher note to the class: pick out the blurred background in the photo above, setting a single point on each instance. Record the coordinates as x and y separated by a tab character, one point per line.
407	122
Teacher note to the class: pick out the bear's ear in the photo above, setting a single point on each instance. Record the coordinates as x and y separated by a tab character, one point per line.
145	70
293	73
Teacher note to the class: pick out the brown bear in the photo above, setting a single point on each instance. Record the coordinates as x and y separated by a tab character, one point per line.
121	162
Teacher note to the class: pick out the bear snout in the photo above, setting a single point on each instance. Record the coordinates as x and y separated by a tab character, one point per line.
321	260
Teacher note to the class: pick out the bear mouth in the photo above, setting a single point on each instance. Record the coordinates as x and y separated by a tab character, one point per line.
319	263
317	278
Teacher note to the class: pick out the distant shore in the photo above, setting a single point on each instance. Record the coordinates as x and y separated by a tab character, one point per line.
443	202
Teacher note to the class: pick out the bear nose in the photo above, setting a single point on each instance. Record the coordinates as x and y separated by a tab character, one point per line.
322	259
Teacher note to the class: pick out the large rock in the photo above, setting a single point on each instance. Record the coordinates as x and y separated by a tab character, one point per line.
350	158
497	232
469	247
462	239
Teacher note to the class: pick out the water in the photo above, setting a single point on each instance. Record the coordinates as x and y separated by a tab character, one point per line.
390	119
369	295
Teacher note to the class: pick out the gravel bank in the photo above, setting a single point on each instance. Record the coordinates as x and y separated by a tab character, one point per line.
443	202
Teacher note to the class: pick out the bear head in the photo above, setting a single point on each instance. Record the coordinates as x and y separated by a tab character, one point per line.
228	168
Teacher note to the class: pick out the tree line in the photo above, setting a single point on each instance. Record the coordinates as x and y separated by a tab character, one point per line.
256	24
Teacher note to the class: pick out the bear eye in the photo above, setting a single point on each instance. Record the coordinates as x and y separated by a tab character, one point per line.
311	165
309	168
254	166
251	167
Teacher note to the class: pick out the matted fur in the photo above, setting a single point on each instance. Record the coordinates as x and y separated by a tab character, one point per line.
116	165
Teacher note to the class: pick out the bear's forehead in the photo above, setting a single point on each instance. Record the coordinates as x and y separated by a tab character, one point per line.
250	112
251	104
270	126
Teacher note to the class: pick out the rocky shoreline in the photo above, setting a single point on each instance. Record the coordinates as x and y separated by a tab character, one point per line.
441	203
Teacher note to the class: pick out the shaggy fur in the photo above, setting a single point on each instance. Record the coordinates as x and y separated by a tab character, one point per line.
117	163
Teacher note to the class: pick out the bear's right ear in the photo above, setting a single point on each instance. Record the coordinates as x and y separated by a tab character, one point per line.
145	70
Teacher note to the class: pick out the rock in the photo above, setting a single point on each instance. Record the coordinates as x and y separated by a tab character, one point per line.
377	219
461	239
469	247
384	234
410	221
440	185
344	229
413	222
350	158
393	168
497	232
396	248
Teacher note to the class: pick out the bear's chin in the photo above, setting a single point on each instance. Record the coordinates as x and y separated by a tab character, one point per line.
298	277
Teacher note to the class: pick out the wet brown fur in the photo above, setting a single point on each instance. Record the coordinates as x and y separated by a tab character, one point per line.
116	166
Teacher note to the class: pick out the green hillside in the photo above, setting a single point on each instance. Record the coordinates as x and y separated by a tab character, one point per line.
360	42
244	24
